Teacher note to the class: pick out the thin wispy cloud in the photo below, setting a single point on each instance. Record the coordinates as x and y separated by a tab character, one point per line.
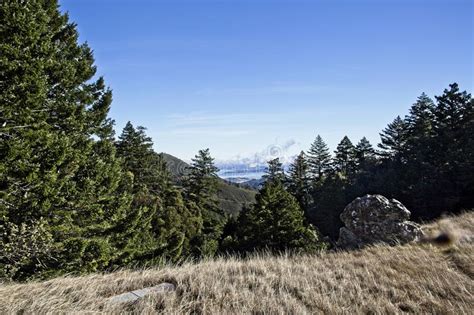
215	125
273	89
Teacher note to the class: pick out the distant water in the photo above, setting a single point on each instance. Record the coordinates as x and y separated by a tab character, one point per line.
240	175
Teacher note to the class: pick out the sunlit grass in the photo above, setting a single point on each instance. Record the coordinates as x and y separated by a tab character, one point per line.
415	278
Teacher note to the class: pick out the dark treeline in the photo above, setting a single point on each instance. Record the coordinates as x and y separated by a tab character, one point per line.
74	198
425	160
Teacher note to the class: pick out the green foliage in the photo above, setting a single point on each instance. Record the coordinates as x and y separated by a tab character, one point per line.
345	157
275	222
319	158
201	186
425	162
74	200
231	198
298	182
159	225
393	139
57	159
274	171
24	249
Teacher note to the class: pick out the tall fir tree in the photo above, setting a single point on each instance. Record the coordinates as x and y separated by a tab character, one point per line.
57	159
201	187
319	158
364	153
299	183
420	121
345	157
274	171
453	114
393	139
329	202
160	220
420	142
275	222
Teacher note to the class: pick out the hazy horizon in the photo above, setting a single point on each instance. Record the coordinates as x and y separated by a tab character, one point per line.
245	77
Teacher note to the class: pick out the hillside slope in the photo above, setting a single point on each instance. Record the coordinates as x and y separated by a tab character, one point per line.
417	278
231	198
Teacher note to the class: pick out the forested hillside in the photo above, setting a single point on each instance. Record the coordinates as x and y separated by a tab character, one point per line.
232	198
76	198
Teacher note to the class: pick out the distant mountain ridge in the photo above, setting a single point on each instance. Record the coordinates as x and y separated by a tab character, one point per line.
232	198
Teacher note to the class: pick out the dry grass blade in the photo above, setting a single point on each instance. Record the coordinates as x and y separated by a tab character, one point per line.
417	278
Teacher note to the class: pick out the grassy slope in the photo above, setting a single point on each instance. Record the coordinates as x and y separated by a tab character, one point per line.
231	198
418	278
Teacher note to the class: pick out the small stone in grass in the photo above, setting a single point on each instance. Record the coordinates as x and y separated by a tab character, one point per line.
133	296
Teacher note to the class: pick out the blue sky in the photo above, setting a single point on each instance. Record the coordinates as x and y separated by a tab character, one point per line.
240	76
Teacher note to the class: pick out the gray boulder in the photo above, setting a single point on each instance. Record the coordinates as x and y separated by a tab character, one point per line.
375	219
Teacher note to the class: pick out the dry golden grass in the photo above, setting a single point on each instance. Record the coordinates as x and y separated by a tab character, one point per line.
417	278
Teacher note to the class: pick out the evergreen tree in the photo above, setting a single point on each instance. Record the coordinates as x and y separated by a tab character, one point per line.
136	150
319	158
298	180
329	201
274	171
364	153
345	157
420	121
275	222
57	160
201	186
453	151
366	161
419	168
163	224
393	139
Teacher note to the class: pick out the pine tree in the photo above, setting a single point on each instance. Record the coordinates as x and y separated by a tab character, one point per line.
394	139
57	160
275	222
452	155
329	202
420	121
298	180
201	187
319	158
364	153
274	171
136	150
162	223
420	142
345	158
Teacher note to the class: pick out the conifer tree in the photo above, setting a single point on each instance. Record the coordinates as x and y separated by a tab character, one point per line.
57	159
275	222
319	158
274	171
420	142
329	202
364	153
420	121
453	148
163	225
201	187
394	139
345	158
298	180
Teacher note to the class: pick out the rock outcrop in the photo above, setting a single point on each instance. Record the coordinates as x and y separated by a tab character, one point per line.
375	219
